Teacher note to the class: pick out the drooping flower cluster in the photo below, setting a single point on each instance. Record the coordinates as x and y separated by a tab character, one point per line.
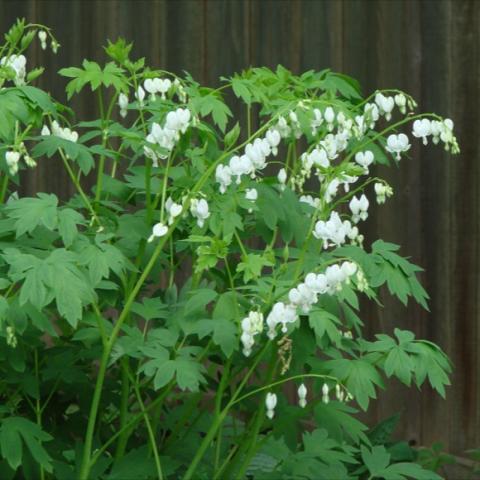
341	394
439	130
166	137
157	85
18	63
305	295
253	159
334	231
58	131
382	191
13	157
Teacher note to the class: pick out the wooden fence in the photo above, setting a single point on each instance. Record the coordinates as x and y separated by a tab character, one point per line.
430	48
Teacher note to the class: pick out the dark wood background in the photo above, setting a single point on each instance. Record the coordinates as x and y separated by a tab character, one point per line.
430	48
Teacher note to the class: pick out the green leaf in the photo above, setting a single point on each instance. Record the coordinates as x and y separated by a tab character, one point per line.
135	465
241	90
32	212
68	220
252	266
15	429
322	322
50	144
92	74
377	459
398	363
232	136
359	376
199	299
54	277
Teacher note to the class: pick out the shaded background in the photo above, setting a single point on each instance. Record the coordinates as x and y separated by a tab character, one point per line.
429	48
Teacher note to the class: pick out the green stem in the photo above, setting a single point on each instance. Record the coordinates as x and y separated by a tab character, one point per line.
3	188
124	379
151	436
38	409
79	188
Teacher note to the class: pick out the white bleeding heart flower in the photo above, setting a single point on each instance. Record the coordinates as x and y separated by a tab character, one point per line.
398	144
123	104
223	176
422	129
12	159
159	230
364	159
401	102
199	209
282	177
271	403
173	210
302	395
359	208
140	95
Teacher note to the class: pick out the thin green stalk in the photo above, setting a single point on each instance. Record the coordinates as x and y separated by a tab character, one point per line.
124	395
225	462
148	425
3	188
218	406
38	409
79	188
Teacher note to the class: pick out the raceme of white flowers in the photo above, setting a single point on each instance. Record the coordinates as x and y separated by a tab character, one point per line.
305	295
166	137
157	85
302	298
58	131
13	157
334	231
341	394
254	158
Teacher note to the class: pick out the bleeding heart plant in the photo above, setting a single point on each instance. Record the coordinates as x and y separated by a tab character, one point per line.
150	324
